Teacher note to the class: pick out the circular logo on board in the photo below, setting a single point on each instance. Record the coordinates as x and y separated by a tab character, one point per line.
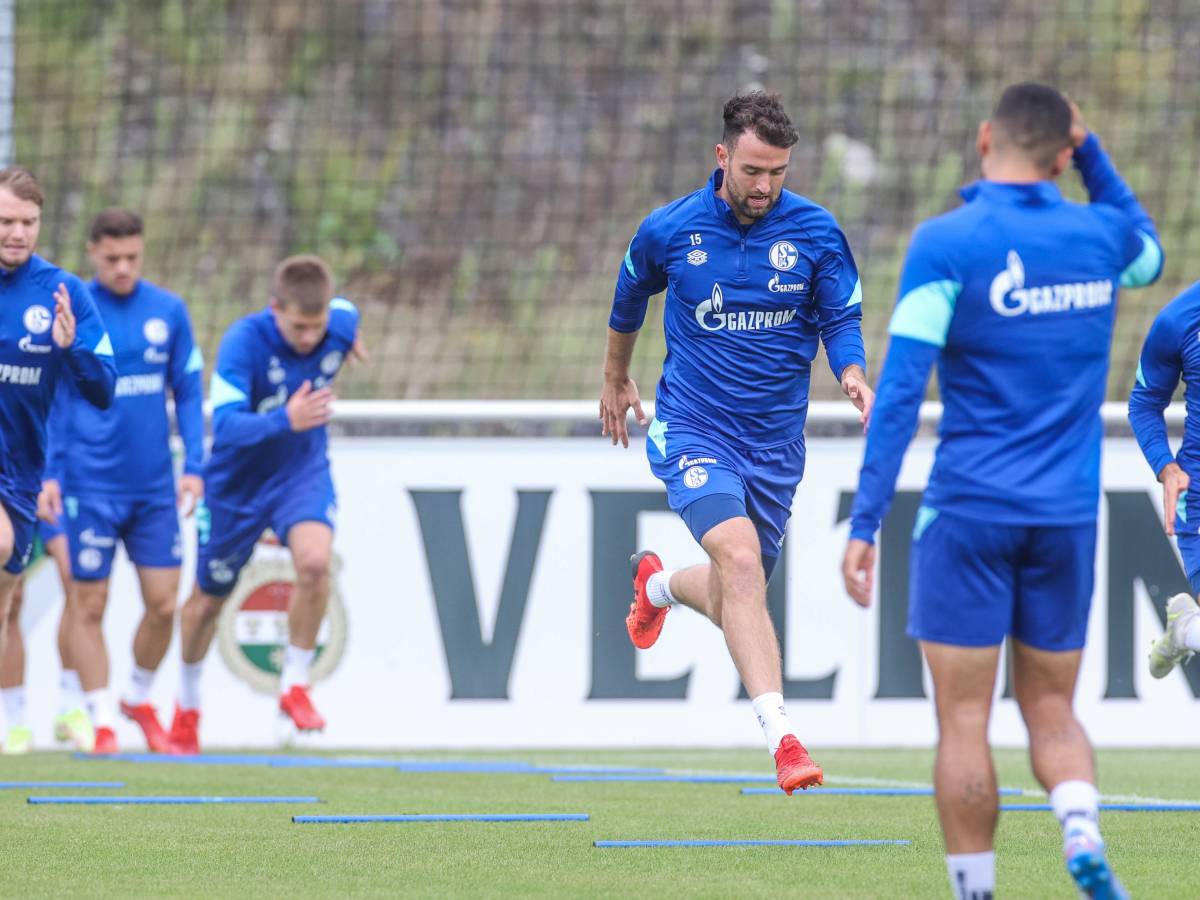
784	255
38	319
252	631
695	477
156	331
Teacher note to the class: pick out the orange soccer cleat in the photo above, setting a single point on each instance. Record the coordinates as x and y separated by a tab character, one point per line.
106	741
645	620
299	706
147	719
184	739
794	767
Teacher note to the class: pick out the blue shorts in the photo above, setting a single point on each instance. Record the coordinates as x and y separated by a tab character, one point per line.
972	582
24	529
227	535
149	529
760	484
1189	549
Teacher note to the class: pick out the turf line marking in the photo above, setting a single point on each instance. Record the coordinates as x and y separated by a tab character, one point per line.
751	843
817	791
7	785
681	779
447	817
174	801
1109	807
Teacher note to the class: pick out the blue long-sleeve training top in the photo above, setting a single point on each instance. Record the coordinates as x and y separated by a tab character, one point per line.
32	367
255	453
125	452
745	308
1171	352
1014	296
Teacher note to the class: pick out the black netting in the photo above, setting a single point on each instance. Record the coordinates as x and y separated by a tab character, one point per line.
473	170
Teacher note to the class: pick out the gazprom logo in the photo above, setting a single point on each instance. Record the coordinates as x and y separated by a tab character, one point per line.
711	316
1009	296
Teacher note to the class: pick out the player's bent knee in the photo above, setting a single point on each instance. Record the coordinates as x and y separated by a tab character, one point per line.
311	567
161	607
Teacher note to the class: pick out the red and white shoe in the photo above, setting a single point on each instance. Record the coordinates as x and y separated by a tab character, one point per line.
298	705
645	620
147	719
184	739
794	767
106	741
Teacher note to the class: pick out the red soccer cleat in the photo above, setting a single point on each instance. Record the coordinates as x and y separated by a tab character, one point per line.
645	620
794	767
185	732
299	706
106	741
147	720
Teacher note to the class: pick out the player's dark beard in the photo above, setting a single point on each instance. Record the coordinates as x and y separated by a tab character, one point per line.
742	204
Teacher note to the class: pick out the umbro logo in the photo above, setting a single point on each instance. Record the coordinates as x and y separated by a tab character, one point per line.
697	257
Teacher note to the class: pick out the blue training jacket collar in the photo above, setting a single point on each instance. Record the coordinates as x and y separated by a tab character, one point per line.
724	212
1037	193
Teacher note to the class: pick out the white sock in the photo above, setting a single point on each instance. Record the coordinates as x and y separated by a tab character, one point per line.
189	685
1076	805
14	706
658	589
99	704
1191	635
70	691
972	875
140	682
296	662
774	721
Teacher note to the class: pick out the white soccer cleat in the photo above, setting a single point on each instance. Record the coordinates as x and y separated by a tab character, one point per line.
1170	650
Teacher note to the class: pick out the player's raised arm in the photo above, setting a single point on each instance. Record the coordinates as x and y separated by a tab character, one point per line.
920	323
641	276
1142	248
1159	369
79	330
234	421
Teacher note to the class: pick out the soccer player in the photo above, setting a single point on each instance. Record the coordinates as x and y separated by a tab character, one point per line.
39	349
113	476
72	722
271	396
1171	352
755	276
1013	296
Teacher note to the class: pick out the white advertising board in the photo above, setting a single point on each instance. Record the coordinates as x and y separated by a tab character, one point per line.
484	583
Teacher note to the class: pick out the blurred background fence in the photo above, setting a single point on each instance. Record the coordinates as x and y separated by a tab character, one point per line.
473	169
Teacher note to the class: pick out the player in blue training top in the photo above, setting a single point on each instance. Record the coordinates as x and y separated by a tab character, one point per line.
1013	295
49	332
755	277
111	478
1171	352
271	395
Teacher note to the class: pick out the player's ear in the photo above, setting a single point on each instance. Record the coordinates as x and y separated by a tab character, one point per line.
1062	160
983	139
722	156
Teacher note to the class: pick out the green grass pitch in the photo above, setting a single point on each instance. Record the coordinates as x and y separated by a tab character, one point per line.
238	851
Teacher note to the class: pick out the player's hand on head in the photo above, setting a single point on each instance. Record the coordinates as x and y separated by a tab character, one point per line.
49	502
189	493
858	571
1175	484
1079	129
617	398
64	318
308	409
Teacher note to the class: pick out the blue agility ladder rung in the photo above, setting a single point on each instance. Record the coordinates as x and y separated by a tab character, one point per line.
443	817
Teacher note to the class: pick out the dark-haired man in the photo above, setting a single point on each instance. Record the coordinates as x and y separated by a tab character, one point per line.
111	476
272	397
40	350
1013	295
755	277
